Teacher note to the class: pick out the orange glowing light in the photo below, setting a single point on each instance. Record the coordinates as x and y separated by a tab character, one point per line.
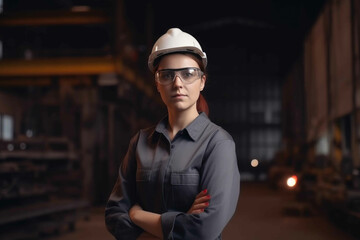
291	181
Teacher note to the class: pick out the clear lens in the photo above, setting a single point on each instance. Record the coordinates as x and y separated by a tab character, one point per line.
187	75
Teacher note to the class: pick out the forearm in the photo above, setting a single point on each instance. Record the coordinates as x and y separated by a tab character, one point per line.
148	221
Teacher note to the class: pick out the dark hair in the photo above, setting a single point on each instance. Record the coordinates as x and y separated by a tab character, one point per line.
201	104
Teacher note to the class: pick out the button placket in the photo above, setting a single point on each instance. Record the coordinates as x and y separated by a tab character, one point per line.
165	176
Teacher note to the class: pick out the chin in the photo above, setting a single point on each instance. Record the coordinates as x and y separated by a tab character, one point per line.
181	107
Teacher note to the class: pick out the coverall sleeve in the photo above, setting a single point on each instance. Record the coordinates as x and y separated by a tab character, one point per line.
221	177
122	198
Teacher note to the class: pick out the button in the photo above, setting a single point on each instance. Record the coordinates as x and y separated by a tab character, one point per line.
172	146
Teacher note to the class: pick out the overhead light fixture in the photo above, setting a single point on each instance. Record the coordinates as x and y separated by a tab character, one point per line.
108	79
291	181
80	9
254	163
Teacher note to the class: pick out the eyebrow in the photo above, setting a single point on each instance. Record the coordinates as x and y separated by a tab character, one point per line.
177	69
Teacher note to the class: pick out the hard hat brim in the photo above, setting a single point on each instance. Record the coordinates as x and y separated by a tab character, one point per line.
187	49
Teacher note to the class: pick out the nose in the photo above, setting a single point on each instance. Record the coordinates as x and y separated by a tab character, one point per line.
177	81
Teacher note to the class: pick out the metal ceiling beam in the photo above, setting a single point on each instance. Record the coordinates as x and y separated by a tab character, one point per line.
20	82
41	18
72	66
56	67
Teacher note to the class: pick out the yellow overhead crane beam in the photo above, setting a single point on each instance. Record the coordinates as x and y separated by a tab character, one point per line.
38	71
56	66
58	17
72	66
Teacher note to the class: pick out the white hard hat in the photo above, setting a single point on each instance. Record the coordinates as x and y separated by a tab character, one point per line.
175	40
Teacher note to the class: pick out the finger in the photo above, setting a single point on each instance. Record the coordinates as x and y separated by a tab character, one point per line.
202	199
197	211
192	211
200	206
202	193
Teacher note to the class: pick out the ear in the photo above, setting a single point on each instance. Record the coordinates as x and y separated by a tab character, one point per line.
202	83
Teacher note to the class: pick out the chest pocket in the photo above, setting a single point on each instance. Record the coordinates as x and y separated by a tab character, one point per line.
184	188
179	179
143	175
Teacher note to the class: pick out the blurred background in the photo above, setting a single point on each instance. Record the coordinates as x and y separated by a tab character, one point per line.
284	80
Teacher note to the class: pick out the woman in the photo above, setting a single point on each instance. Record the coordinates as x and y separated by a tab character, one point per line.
179	179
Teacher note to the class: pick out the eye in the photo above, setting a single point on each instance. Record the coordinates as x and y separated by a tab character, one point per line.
188	73
167	75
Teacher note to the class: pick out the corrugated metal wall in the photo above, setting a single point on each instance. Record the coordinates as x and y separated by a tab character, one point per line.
328	68
331	69
340	59
316	77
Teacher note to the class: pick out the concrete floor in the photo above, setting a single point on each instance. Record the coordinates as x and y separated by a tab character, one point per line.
259	216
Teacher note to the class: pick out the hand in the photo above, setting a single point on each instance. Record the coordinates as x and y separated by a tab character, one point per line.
200	203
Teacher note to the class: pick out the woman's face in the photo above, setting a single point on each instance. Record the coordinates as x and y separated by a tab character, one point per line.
179	96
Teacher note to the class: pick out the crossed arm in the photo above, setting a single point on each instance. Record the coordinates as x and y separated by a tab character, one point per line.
151	222
221	177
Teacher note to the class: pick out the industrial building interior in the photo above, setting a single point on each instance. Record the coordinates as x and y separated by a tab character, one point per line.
284	81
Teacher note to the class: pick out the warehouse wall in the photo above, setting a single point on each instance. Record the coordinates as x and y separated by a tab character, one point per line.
10	110
330	67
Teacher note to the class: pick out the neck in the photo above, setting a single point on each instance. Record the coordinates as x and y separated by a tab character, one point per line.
180	120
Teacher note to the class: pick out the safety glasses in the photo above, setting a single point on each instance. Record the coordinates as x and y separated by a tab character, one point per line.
187	75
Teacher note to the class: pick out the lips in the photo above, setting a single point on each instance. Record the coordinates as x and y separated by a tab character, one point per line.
178	95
